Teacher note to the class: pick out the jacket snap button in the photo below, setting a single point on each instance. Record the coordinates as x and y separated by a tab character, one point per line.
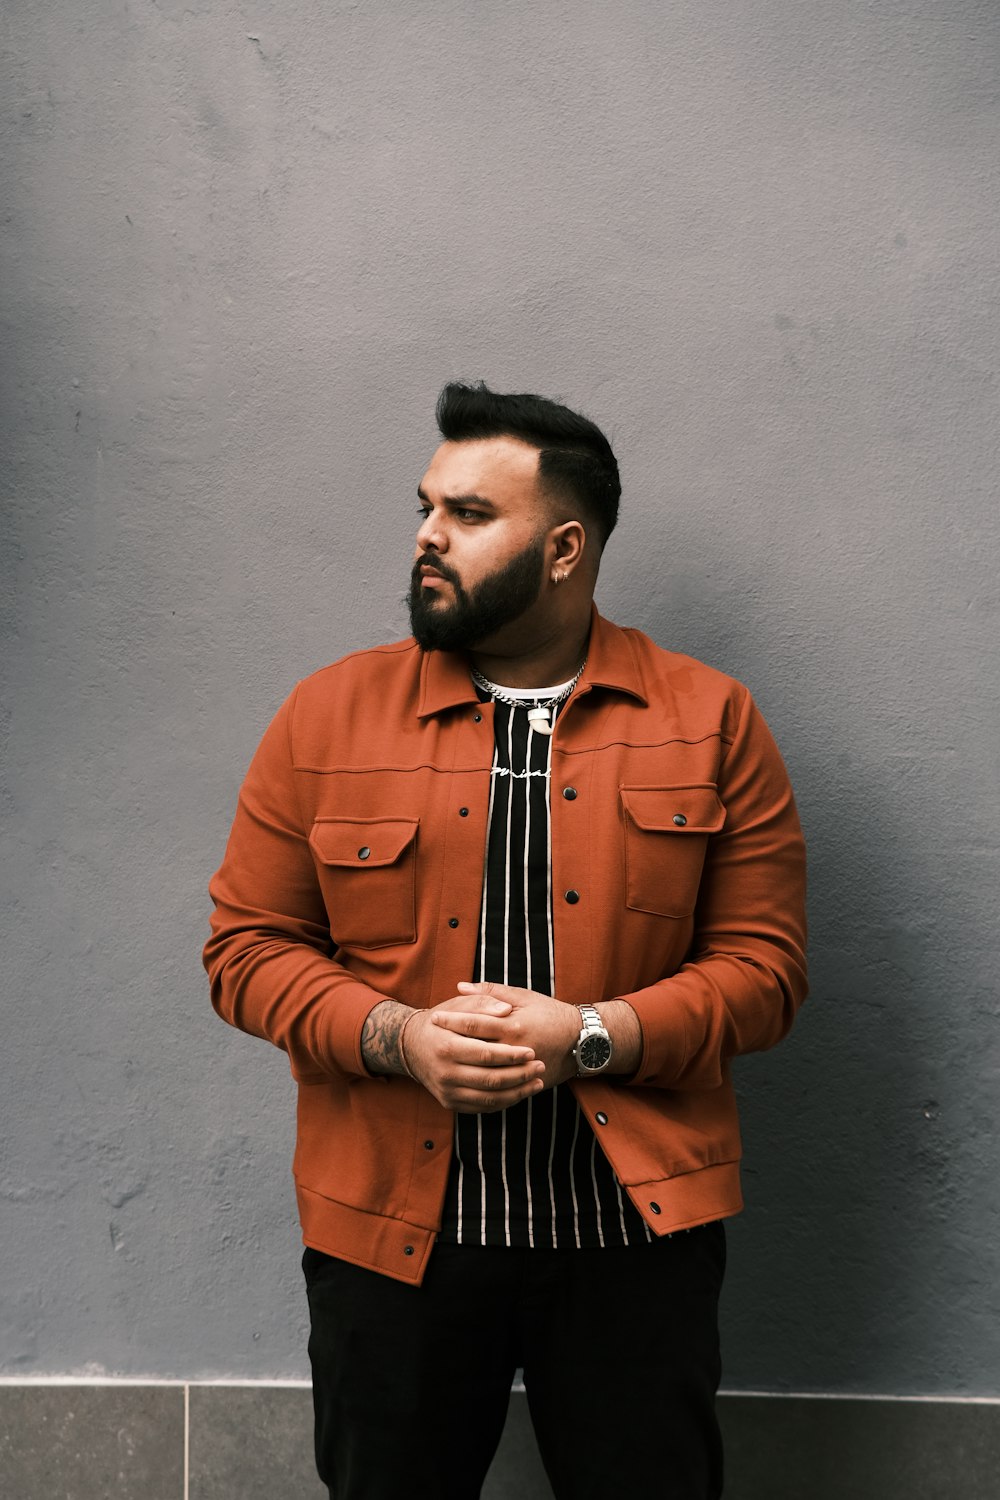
655	1207
452	921
428	1145
364	853
569	792
572	897
407	1249
601	1118
477	718
463	812
680	820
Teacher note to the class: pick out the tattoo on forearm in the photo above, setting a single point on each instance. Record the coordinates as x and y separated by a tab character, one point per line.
380	1037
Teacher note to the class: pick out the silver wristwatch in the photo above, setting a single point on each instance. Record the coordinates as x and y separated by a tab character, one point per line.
593	1049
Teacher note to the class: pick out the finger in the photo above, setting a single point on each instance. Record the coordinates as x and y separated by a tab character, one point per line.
497	1082
475	1000
506	994
486	992
478	1102
481	986
488	1028
491	1057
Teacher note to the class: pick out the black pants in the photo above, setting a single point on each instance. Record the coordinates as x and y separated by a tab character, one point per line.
620	1353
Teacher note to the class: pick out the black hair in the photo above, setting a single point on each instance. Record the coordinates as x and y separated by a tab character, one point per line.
575	458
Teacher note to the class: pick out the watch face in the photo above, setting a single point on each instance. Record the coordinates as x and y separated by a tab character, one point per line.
594	1053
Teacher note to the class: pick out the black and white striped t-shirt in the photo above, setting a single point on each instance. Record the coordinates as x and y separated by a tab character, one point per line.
532	1175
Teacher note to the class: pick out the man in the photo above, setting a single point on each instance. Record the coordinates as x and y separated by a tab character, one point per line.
511	895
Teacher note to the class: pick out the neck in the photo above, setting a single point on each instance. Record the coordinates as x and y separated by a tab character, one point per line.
541	661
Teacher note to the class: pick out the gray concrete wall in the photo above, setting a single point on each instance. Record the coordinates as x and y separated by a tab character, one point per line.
243	246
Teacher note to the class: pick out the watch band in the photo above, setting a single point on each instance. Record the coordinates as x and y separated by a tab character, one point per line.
593	1027
592	1022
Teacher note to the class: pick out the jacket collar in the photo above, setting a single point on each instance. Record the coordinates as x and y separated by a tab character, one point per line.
445	681
611	661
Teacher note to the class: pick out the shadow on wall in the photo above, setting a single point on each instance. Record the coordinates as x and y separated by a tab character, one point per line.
850	1176
860	1129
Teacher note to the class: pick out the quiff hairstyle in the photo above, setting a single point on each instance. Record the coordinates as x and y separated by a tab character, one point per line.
575	461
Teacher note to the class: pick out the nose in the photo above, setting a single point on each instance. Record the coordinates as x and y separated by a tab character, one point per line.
430	533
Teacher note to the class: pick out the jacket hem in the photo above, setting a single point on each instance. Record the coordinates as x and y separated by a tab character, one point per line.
390	1247
671	1203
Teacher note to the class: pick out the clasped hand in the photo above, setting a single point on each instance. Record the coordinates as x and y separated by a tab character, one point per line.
491	1046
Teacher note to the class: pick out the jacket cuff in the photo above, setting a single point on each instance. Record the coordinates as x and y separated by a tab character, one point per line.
349	1006
696	1020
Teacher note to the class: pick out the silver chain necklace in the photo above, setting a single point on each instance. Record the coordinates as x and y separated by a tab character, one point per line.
540	712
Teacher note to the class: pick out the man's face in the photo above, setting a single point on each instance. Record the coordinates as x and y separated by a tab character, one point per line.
481	547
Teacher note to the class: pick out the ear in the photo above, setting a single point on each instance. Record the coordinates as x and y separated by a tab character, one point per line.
567	544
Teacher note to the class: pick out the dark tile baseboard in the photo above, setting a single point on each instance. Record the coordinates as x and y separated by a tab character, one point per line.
174	1441
93	1442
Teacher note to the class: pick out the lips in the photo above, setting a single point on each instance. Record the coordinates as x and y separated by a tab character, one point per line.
430	576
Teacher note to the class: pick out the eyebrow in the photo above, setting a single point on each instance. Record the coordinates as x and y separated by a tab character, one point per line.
459	500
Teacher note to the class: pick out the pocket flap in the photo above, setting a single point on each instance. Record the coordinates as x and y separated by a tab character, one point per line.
362	843
674	809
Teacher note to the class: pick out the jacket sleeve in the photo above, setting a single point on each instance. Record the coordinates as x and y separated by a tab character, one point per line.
745	975
268	958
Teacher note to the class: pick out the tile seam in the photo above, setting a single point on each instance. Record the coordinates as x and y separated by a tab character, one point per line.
141	1382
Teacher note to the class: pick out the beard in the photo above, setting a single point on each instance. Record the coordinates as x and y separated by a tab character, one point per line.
496	600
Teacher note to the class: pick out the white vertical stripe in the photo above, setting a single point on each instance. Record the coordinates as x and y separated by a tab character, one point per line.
572	1177
187	1441
621	1212
527	1175
597	1196
527	841
552	957
479	979
503	1178
486	868
461	1179
548	865
482	1182
552	1147
506	883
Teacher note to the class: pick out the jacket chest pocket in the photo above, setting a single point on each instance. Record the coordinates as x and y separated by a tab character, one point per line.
367	873
667	829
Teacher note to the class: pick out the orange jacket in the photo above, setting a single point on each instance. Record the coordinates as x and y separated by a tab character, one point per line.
354	871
